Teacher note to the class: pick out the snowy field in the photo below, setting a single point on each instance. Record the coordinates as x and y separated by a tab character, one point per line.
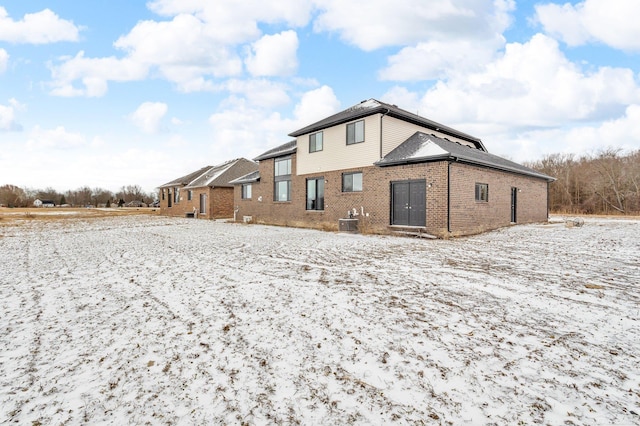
155	320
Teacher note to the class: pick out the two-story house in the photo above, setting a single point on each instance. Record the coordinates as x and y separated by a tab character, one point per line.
392	170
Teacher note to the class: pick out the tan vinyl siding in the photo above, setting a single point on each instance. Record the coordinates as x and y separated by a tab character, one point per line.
397	131
336	154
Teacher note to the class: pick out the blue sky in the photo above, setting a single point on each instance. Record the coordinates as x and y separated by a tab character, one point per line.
106	94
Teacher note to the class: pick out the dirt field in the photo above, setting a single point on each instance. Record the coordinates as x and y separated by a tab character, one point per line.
12	215
136	319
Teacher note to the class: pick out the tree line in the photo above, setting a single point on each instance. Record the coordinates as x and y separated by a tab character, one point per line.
607	182
14	196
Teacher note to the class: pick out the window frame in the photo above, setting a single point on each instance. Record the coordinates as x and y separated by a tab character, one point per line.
176	195
482	192
351	174
189	195
317	202
279	178
246	191
355	132
313	142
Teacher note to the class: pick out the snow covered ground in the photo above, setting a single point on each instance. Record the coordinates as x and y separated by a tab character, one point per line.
155	320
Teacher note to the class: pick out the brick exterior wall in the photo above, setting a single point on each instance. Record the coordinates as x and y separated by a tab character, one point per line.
219	203
467	215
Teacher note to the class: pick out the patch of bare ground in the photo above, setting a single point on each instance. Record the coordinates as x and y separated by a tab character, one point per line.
13	215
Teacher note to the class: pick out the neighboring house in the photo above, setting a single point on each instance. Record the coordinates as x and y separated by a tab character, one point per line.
394	171
205	193
43	203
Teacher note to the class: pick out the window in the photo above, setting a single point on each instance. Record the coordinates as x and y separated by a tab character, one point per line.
355	132
315	142
352	182
315	194
246	191
176	195
282	179
283	167
163	190
189	195
482	192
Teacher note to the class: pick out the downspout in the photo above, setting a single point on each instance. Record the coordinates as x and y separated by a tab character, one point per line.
449	196
548	200
381	117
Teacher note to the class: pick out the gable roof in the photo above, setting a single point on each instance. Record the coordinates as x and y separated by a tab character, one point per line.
184	180
422	148
284	149
215	176
373	106
222	174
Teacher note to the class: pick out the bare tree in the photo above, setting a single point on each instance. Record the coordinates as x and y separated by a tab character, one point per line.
131	193
12	196
101	196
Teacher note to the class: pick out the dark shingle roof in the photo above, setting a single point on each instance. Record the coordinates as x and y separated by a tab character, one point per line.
284	149
222	174
422	147
184	180
219	175
248	178
373	106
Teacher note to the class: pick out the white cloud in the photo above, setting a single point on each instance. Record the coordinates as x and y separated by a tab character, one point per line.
196	46
148	117
439	59
94	73
37	28
315	105
372	24
259	128
614	23
4	60
8	120
531	85
236	21
621	132
58	138
259	92
274	55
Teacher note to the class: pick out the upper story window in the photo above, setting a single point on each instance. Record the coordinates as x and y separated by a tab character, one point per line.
315	142
282	179
355	132
352	182
482	192
246	191
282	167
